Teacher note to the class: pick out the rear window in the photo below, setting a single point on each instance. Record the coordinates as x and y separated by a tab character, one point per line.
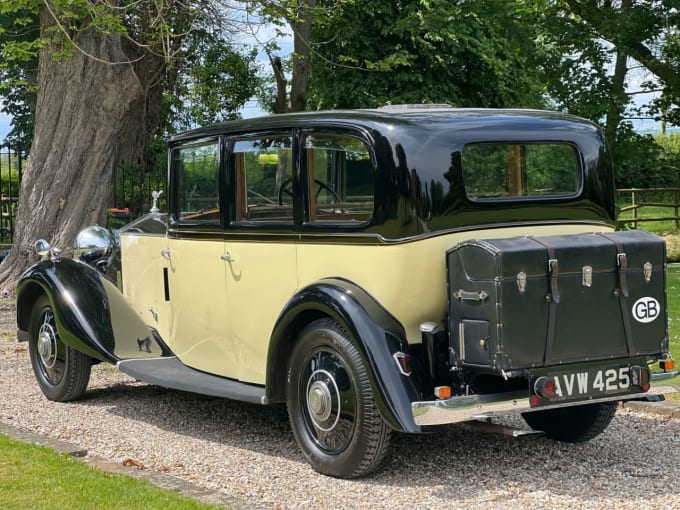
504	171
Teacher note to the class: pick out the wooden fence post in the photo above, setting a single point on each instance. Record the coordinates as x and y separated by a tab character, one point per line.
634	205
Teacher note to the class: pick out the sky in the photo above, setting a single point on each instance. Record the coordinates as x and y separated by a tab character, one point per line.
4	126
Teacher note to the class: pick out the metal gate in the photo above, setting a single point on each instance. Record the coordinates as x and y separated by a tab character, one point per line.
12	162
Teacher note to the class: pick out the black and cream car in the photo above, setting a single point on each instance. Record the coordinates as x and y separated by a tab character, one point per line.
376	270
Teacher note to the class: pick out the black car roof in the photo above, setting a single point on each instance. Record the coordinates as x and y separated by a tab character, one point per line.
390	116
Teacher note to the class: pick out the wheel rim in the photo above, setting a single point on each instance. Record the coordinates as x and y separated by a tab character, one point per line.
329	401
51	359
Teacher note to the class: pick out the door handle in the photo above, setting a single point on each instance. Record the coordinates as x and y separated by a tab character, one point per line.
228	257
166	253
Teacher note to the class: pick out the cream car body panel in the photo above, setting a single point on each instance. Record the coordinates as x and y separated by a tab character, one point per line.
199	334
262	278
142	277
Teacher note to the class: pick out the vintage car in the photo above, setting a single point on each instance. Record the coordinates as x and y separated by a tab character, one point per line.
391	269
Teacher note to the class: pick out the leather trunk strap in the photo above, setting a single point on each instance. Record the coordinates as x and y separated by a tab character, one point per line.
622	291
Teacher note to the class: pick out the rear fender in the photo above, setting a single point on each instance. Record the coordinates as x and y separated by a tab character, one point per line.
376	333
92	315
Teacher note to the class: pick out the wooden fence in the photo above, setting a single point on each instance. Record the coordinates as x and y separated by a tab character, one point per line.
636	199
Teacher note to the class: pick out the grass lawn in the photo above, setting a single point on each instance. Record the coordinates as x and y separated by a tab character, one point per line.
37	477
673	296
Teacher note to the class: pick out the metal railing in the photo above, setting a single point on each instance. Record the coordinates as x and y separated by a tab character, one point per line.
12	163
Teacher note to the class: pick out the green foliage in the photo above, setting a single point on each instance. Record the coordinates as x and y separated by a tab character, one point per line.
215	81
465	53
644	162
36	477
19	42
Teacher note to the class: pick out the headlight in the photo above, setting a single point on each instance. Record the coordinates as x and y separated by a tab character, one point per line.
94	245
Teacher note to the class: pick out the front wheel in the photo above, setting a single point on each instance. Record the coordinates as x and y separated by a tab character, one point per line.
330	404
61	371
573	424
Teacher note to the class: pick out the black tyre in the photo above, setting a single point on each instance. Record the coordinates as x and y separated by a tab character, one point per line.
61	371
330	404
573	424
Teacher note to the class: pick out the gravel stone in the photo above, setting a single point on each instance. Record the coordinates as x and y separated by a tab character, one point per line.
248	452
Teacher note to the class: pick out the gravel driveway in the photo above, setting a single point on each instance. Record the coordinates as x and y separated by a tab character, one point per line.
249	452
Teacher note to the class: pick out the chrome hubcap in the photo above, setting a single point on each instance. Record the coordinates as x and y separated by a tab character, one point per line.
321	388
47	345
319	401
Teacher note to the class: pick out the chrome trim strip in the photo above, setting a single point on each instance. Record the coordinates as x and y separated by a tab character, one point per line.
477	407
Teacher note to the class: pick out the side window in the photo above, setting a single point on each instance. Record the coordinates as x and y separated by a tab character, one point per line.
197	169
264	176
341	177
502	171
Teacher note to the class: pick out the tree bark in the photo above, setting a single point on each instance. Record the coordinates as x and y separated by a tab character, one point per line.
302	30
617	103
90	116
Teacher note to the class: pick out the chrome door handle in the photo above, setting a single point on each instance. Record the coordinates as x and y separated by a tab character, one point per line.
166	253
228	257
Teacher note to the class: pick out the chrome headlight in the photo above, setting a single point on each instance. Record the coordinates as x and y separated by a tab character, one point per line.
94	245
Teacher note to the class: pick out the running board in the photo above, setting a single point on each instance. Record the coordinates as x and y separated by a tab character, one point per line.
172	373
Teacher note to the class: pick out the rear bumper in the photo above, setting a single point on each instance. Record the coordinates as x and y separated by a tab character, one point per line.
475	407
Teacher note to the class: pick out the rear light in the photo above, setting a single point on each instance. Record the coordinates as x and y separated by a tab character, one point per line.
545	387
403	362
442	392
640	376
667	364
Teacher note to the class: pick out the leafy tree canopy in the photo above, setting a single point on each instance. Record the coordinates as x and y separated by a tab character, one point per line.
461	52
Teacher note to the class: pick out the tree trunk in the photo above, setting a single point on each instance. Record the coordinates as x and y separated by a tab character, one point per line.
617	102
302	30
90	116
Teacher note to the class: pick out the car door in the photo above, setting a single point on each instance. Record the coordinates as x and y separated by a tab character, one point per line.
197	278
260	245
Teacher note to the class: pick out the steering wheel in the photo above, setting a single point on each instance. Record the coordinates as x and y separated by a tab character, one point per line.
287	189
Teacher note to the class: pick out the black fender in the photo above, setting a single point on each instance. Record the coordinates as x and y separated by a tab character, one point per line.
376	333
91	313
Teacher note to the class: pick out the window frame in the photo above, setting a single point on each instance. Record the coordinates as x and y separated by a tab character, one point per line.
175	200
579	173
235	179
307	173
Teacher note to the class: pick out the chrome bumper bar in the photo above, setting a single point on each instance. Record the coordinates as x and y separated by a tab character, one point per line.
476	407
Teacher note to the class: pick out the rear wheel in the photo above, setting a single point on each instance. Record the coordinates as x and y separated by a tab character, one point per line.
330	404
61	371
573	424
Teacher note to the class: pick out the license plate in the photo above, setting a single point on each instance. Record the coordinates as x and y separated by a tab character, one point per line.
589	383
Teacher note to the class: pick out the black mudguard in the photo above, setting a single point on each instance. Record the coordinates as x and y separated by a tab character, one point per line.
377	334
92	315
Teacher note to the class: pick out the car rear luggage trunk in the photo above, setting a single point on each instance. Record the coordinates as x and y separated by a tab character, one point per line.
527	302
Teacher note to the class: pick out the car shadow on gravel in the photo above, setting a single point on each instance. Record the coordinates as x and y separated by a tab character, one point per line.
262	429
616	465
458	459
